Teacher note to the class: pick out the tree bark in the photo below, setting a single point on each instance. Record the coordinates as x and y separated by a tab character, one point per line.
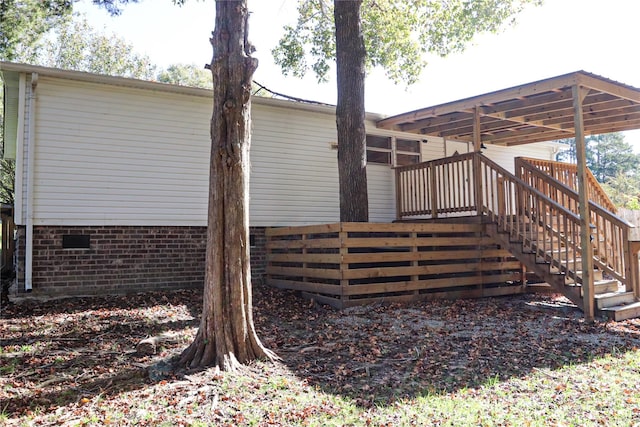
350	114
226	337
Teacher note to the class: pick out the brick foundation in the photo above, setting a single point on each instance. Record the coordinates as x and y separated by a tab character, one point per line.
123	259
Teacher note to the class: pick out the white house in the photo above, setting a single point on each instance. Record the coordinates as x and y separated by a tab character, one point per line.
112	176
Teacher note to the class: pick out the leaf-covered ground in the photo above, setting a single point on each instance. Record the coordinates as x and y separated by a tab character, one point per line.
525	360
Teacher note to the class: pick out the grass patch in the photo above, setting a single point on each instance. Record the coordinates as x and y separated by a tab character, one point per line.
491	362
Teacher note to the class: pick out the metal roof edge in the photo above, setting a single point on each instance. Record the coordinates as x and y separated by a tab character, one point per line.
566	79
83	76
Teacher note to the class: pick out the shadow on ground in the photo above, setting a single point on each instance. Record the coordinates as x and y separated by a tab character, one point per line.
60	352
378	354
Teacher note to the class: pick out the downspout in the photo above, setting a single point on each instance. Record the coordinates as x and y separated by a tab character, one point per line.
28	273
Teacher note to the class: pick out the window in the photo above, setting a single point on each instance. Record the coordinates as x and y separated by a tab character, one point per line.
407	152
378	149
392	151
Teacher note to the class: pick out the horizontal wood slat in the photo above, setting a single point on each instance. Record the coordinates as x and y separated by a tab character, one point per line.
411	227
426	284
368	261
388	242
320	273
302	258
297	285
438	255
300	244
377	272
303	229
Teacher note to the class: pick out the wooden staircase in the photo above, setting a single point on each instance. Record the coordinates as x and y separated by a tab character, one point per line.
612	300
535	216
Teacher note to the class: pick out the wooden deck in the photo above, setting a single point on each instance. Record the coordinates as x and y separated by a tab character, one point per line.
347	264
468	228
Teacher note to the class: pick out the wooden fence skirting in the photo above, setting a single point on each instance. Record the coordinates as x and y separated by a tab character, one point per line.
347	264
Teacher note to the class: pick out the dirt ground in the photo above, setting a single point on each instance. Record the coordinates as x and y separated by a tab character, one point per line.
57	354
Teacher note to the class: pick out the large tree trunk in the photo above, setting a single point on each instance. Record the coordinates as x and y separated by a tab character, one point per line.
352	153
227	337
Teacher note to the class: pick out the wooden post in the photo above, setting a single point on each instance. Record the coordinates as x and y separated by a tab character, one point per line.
633	247
398	196
344	250
303	238
477	145
433	190
415	263
579	94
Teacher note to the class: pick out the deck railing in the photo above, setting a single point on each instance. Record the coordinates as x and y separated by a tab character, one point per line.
567	174
529	216
610	233
540	212
437	187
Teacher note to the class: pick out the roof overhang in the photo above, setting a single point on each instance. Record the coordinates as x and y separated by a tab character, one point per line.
533	112
11	70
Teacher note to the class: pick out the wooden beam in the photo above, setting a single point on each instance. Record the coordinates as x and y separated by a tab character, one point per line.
522	120
608	86
468	104
533	101
429	122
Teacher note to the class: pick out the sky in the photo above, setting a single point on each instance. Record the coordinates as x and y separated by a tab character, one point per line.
558	37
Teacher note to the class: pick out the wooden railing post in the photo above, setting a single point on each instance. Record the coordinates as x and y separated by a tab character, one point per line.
633	267
477	180
398	195
434	191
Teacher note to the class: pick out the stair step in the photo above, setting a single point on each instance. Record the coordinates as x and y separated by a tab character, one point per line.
623	312
597	277
613	299
603	287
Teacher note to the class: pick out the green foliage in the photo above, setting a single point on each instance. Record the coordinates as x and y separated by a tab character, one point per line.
609	155
624	190
24	22
569	154
114	7
186	75
77	46
71	45
613	163
7	180
398	34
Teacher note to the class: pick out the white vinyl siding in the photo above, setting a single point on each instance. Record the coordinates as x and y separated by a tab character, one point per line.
22	160
294	171
505	156
113	155
10	117
382	193
110	155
